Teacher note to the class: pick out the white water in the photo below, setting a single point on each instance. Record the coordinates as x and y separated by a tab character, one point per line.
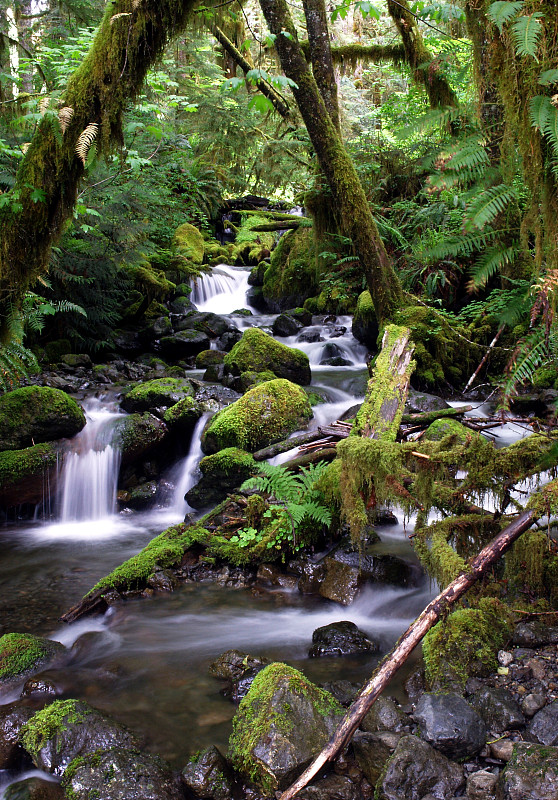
222	291
186	473
90	473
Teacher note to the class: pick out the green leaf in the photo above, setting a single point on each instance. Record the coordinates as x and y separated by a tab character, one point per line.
501	12
526	32
540	109
551	127
38	196
261	104
548	77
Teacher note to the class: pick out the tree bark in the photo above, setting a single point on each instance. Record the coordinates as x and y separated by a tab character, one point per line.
320	56
406	644
347	195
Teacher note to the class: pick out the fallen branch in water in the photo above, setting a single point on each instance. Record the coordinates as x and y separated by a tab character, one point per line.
406	644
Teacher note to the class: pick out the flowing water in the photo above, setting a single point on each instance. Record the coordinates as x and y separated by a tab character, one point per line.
146	662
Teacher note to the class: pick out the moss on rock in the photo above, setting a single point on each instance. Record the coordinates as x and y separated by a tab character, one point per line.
22	654
365	325
292	275
257	351
266	414
221	473
182	416
35	414
138	434
158	392
47	723
23	473
189	243
441	428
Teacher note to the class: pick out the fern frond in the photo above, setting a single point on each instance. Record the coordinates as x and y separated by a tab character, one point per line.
490	263
551	127
539	111
501	12
85	140
119	16
486	206
528	356
526	32
464	245
65	117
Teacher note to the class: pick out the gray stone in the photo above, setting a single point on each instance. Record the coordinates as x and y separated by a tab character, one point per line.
372	753
341	582
482	785
162	580
333	787
501	749
531	774
385	715
534	634
421	401
285	325
543	728
498	708
415	770
340	639
532	703
450	724
12	719
208	775
184	344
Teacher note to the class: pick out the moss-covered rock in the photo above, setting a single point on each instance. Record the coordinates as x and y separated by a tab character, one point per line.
221	473
266	745
266	414
189	243
530	774
22	655
25	473
138	434
258	352
207	357
156	393
35	414
182	417
365	325
292	275
441	428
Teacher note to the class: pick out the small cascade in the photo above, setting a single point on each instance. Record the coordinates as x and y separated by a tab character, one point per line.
186	471
222	291
90	473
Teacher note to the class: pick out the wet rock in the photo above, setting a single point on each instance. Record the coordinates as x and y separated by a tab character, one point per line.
34	414
227	341
534	634
233	664
181	305
385	715
163	580
184	344
141	497
137	435
332	787
12	719
415	684
259	352
34	789
266	746
378	568
417	769
24	473
336	361
161	392
531	774
127	343
343	691
60	732
498	708
120	774
23	655
181	418
543	728
421	401
313	334
341	583
365	324
159	327
372	753
40	685
340	639
208	775
221	472
482	785
89	644
311	578
285	325
450	724
213	325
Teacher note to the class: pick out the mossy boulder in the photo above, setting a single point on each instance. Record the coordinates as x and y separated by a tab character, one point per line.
257	351
189	243
138	434
181	418
292	275
24	473
157	393
22	655
530	774
35	414
67	729
213	325
264	415
365	324
209	357
441	428
266	745
221	473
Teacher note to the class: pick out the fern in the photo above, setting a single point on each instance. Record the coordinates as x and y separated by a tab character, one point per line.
486	207
540	108
501	12
490	263
464	245
85	140
526	32
530	354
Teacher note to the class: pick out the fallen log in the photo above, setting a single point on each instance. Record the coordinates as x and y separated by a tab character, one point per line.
426	417
286	444
286	225
406	644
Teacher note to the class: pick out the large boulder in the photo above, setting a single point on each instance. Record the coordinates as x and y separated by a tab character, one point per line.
184	344
259	352
213	325
340	639
189	243
22	655
221	473
530	774
416	770
66	729
450	724
181	418
154	394
266	745
137	435
120	774
365	326
35	414
25	473
498	708
264	415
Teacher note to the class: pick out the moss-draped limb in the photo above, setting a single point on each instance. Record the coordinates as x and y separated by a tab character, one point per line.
130	38
347	194
320	56
279	103
426	71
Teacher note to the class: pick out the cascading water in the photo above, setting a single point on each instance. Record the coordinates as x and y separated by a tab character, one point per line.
90	473
222	291
186	472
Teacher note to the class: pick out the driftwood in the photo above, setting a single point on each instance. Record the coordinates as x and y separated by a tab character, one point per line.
412	636
484	359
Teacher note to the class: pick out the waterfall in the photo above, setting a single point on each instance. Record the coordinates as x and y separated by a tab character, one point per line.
90	473
222	291
186	472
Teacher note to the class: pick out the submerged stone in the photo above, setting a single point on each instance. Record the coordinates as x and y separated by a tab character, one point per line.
12	719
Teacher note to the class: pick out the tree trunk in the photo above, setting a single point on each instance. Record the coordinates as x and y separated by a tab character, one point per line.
130	38
320	56
347	194
406	644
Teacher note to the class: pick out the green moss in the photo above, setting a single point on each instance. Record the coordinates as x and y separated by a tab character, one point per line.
165	550
50	721
161	391
266	414
35	414
207	357
184	414
259	352
229	461
189	243
466	644
22	465
292	275
440	428
20	652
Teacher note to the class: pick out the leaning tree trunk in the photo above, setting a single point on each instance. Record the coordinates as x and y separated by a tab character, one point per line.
347	194
130	38
320	56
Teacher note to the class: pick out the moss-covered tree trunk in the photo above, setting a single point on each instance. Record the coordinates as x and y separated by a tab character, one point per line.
347	194
320	56
130	38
